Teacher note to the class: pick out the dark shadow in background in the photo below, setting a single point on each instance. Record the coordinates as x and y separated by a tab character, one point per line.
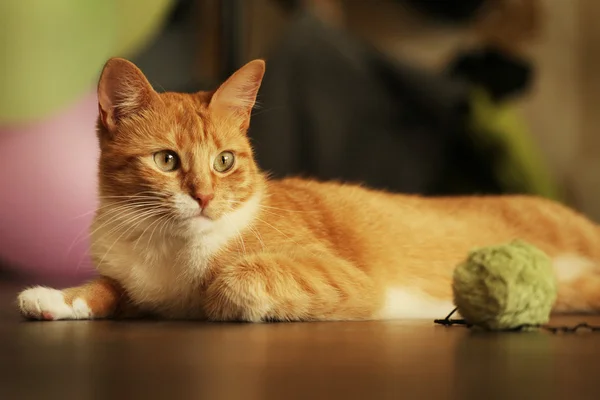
335	108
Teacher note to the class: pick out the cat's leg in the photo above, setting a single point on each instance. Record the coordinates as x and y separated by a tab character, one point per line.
99	298
291	287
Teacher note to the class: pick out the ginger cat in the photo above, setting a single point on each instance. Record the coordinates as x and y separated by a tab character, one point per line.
188	227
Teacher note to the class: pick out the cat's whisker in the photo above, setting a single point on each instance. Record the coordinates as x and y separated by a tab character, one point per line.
116	200
170	220
144	232
266	211
133	226
254	232
258	237
125	212
88	266
273	208
242	241
80	236
135	196
238	234
150	214
150	193
271	213
274	228
161	228
112	208
304	248
130	220
116	203
84	214
156	224
290	211
85	254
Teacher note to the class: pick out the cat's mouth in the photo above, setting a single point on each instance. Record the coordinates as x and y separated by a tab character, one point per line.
202	214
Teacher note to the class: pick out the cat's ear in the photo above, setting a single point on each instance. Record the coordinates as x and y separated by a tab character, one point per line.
123	91
237	96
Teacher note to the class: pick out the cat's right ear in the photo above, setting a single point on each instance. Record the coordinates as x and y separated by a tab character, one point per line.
123	91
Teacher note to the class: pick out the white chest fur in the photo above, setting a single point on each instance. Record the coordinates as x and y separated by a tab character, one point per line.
163	278
164	274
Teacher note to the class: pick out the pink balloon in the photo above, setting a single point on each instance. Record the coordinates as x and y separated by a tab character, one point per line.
48	192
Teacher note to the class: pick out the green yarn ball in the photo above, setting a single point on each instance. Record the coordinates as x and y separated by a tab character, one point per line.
505	287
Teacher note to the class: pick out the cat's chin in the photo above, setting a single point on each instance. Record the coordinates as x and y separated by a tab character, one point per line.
200	223
200	218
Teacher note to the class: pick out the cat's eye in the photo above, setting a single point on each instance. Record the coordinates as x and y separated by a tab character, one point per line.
224	161
166	160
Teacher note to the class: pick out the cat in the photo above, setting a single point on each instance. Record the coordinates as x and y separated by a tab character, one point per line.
189	227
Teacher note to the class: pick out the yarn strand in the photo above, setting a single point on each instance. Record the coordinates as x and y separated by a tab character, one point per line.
448	321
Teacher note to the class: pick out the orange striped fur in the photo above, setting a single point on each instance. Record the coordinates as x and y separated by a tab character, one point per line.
256	249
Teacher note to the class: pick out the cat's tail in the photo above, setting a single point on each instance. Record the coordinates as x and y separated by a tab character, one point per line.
578	285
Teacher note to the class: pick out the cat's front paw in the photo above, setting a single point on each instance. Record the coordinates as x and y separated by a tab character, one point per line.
237	295
49	304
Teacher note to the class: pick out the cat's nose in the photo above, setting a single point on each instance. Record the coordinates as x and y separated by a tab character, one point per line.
203	199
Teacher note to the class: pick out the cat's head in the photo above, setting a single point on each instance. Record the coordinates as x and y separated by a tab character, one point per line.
182	158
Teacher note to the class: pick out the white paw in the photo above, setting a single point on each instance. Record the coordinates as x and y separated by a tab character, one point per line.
49	304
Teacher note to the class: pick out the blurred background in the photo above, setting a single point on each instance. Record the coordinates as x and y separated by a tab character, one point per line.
436	97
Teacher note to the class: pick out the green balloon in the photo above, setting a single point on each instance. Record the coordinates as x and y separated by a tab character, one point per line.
51	51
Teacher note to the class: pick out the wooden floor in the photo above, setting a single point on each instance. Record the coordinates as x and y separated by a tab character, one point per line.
372	360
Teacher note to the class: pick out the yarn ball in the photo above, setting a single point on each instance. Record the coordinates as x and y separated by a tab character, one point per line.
505	287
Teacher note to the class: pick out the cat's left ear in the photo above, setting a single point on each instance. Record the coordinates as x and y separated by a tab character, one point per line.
123	91
237	96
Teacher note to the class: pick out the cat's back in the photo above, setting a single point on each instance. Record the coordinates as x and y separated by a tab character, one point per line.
310	193
357	213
